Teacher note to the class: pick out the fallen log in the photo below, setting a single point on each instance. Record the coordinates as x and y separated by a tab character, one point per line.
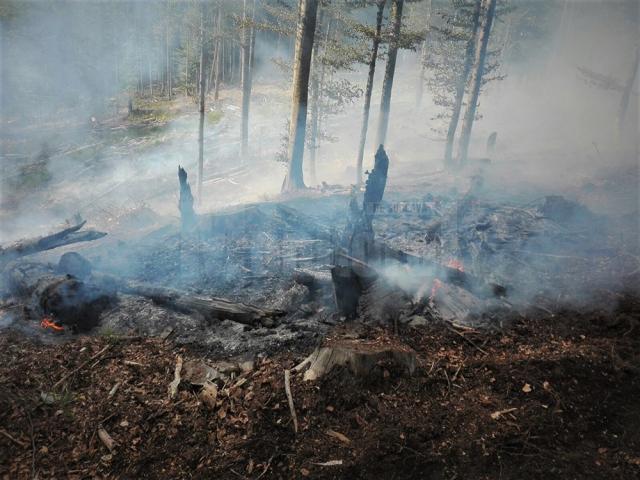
211	308
77	303
64	237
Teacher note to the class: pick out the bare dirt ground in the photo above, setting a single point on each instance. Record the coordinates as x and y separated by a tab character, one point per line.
553	397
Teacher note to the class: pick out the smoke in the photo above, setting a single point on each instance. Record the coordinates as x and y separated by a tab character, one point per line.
66	79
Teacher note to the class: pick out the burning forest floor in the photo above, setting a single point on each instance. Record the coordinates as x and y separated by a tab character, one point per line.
454	334
552	396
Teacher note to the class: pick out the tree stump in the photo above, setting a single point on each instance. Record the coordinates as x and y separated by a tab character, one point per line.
362	358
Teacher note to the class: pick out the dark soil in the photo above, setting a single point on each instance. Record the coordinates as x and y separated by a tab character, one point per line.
553	397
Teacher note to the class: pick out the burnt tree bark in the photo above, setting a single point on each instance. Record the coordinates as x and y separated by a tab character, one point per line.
482	40
359	233
369	89
308	10
460	86
185	204
389	71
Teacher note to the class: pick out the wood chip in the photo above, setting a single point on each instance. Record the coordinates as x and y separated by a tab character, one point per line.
173	386
343	438
499	413
330	463
209	394
106	439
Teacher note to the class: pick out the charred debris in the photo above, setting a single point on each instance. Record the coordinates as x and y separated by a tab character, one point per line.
277	274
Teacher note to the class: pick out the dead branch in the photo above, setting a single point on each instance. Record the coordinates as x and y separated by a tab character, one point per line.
287	389
6	434
173	386
82	365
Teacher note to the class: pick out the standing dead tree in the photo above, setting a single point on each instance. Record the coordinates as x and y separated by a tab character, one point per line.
185	204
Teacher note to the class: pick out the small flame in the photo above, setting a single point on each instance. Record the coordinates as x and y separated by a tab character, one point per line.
47	322
455	263
437	285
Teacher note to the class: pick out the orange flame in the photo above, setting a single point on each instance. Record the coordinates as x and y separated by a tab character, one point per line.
455	263
47	322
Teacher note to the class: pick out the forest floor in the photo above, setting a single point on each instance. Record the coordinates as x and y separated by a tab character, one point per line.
554	397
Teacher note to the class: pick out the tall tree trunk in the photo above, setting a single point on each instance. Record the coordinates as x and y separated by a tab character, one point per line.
460	86
168	61
150	76
369	90
308	11
477	72
389	71
223	61
219	55
315	88
214	54
626	94
201	108
246	82
186	70
423	57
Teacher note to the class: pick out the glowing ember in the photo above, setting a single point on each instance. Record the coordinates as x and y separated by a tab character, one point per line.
455	263
47	322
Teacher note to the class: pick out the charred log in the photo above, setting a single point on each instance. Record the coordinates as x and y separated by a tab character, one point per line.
69	301
64	237
211	308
